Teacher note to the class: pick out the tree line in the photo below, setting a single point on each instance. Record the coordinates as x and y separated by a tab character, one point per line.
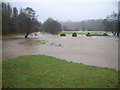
110	23
83	25
25	21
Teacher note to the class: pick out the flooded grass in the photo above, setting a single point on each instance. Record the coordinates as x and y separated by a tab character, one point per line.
40	71
33	42
55	44
39	42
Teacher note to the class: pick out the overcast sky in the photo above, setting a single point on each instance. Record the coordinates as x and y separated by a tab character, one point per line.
74	10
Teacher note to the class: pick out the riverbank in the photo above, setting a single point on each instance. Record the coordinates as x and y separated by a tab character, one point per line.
40	71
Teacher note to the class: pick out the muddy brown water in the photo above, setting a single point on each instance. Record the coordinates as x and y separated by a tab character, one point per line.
97	50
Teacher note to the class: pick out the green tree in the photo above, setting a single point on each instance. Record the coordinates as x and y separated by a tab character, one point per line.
51	26
118	18
6	16
28	21
15	12
15	20
12	22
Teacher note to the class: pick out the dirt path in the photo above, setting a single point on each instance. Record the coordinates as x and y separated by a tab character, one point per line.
98	51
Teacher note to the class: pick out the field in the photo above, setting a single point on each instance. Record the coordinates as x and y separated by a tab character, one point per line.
85	32
40	71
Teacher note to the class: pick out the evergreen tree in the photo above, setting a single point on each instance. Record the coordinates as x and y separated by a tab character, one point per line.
51	26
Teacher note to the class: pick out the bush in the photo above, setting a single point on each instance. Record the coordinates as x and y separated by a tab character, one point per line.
105	34
62	34
74	35
88	34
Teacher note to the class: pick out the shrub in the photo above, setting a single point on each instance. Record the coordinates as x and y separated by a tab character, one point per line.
88	34
105	34
62	34
74	35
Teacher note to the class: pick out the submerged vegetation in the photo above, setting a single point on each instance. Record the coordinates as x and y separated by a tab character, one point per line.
40	71
40	42
33	42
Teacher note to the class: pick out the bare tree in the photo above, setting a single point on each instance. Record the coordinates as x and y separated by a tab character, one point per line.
111	23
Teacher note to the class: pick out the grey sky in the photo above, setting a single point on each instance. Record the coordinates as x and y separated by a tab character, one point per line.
75	11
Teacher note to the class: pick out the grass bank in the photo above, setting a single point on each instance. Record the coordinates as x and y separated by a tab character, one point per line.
40	71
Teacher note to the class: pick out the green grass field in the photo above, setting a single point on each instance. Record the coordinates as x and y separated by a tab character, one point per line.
81	33
40	71
85	32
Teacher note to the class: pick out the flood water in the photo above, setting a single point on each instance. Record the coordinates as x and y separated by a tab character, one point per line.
97	50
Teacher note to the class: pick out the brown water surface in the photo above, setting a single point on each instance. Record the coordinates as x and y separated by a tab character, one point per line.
97	50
